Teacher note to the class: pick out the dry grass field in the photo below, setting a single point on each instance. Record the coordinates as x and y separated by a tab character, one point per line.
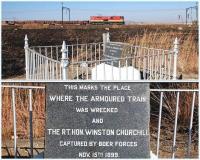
188	48
158	36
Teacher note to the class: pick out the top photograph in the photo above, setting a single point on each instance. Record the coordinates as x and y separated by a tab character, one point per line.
99	41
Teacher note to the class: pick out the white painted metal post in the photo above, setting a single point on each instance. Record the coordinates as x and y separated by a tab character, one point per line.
64	61
31	122
14	122
26	56
175	57
175	126
190	127
106	39
159	124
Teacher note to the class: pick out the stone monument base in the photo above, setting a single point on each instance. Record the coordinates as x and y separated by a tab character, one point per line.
107	72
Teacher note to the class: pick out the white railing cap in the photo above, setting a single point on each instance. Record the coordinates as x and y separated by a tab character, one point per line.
64	49
26	38
176	41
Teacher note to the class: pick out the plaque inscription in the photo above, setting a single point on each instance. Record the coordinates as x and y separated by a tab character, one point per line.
97	120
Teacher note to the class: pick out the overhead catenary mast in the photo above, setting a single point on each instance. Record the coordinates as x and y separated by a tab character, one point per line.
67	10
189	15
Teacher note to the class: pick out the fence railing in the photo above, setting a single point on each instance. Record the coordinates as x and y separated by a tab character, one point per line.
30	109
186	145
88	61
150	67
41	67
176	94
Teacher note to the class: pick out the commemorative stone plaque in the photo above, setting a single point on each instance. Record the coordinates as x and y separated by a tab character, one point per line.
97	120
114	50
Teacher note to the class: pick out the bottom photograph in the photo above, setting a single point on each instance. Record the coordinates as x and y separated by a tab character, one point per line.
100	120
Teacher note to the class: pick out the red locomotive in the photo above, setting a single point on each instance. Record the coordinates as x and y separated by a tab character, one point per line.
107	20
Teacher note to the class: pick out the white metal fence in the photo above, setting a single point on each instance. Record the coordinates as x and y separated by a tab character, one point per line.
186	148
30	109
187	144
80	61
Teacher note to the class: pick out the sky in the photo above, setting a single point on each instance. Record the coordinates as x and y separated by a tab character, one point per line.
155	12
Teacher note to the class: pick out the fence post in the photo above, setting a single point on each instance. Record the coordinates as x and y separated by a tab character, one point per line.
31	122
176	43
26	56
106	39
14	122
64	61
